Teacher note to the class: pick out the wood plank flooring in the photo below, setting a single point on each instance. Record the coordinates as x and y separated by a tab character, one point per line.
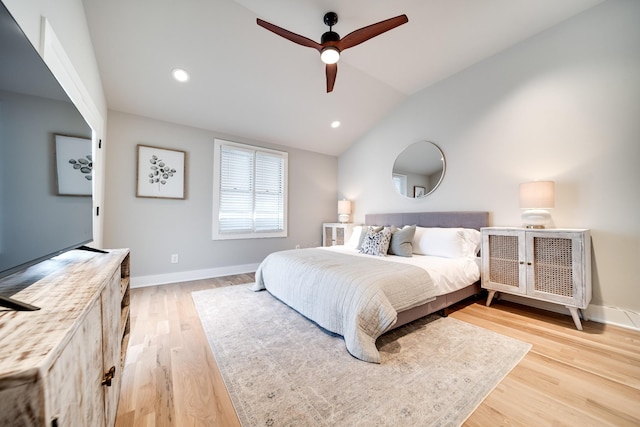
569	378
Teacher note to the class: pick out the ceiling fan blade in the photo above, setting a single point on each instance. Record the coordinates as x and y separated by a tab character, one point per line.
332	71
296	38
368	32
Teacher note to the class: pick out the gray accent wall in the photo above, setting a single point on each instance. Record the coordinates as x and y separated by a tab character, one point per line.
154	229
563	106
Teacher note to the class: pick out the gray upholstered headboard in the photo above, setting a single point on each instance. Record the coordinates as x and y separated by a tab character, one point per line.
471	219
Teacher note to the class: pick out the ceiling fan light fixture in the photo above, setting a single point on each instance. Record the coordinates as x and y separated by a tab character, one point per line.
331	44
330	55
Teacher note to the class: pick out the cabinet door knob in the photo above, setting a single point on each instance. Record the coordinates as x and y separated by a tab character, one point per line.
108	376
521	262
529	263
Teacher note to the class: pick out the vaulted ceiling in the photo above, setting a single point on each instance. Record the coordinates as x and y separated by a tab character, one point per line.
248	82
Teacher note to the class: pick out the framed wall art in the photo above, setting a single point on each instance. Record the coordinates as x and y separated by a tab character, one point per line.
419	191
74	166
161	173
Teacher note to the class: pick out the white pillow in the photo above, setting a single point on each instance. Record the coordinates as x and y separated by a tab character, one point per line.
446	242
354	240
474	241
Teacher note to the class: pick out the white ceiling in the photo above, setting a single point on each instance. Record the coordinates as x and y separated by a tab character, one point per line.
250	83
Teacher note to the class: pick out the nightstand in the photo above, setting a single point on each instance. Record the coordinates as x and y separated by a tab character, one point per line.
552	265
336	233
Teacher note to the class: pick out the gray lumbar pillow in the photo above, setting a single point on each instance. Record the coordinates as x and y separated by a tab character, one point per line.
401	240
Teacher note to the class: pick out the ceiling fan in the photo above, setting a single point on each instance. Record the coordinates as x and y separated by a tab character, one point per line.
331	44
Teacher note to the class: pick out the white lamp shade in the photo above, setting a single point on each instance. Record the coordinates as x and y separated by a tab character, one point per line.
537	195
535	198
344	209
344	206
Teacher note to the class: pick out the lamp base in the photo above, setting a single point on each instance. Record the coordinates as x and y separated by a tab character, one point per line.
535	218
343	218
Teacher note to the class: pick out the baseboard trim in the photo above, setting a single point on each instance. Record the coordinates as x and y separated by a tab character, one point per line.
596	313
187	276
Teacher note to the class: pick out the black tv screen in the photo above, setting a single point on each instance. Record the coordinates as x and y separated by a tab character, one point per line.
45	159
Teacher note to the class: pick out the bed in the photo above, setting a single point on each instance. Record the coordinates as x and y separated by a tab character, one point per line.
362	296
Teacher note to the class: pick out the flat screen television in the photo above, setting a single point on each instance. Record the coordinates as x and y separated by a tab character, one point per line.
42	211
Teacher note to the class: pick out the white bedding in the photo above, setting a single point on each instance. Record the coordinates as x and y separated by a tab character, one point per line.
360	298
448	274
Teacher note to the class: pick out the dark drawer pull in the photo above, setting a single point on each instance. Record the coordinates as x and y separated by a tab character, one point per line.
108	376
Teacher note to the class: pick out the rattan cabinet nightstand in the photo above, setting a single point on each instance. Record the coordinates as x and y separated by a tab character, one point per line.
336	233
552	265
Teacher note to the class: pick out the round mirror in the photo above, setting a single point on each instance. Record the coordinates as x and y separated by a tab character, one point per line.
418	170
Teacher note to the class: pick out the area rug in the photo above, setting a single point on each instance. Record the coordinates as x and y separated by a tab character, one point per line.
283	370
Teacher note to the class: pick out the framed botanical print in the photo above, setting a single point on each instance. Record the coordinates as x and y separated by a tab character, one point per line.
419	191
74	166
161	173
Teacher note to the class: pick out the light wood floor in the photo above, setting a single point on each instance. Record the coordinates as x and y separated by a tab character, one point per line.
572	378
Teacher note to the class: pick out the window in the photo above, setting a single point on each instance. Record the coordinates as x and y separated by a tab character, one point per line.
400	182
249	191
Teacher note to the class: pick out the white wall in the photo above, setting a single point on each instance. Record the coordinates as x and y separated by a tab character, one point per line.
68	21
564	106
156	228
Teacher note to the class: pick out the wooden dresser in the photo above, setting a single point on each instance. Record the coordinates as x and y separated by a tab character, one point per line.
62	365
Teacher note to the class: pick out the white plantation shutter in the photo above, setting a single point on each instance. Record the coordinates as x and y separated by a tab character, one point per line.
236	190
400	182
269	192
249	191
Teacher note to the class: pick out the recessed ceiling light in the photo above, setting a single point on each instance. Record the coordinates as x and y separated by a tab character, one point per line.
335	124
180	75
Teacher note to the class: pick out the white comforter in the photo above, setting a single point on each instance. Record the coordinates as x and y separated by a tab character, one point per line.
448	274
355	296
